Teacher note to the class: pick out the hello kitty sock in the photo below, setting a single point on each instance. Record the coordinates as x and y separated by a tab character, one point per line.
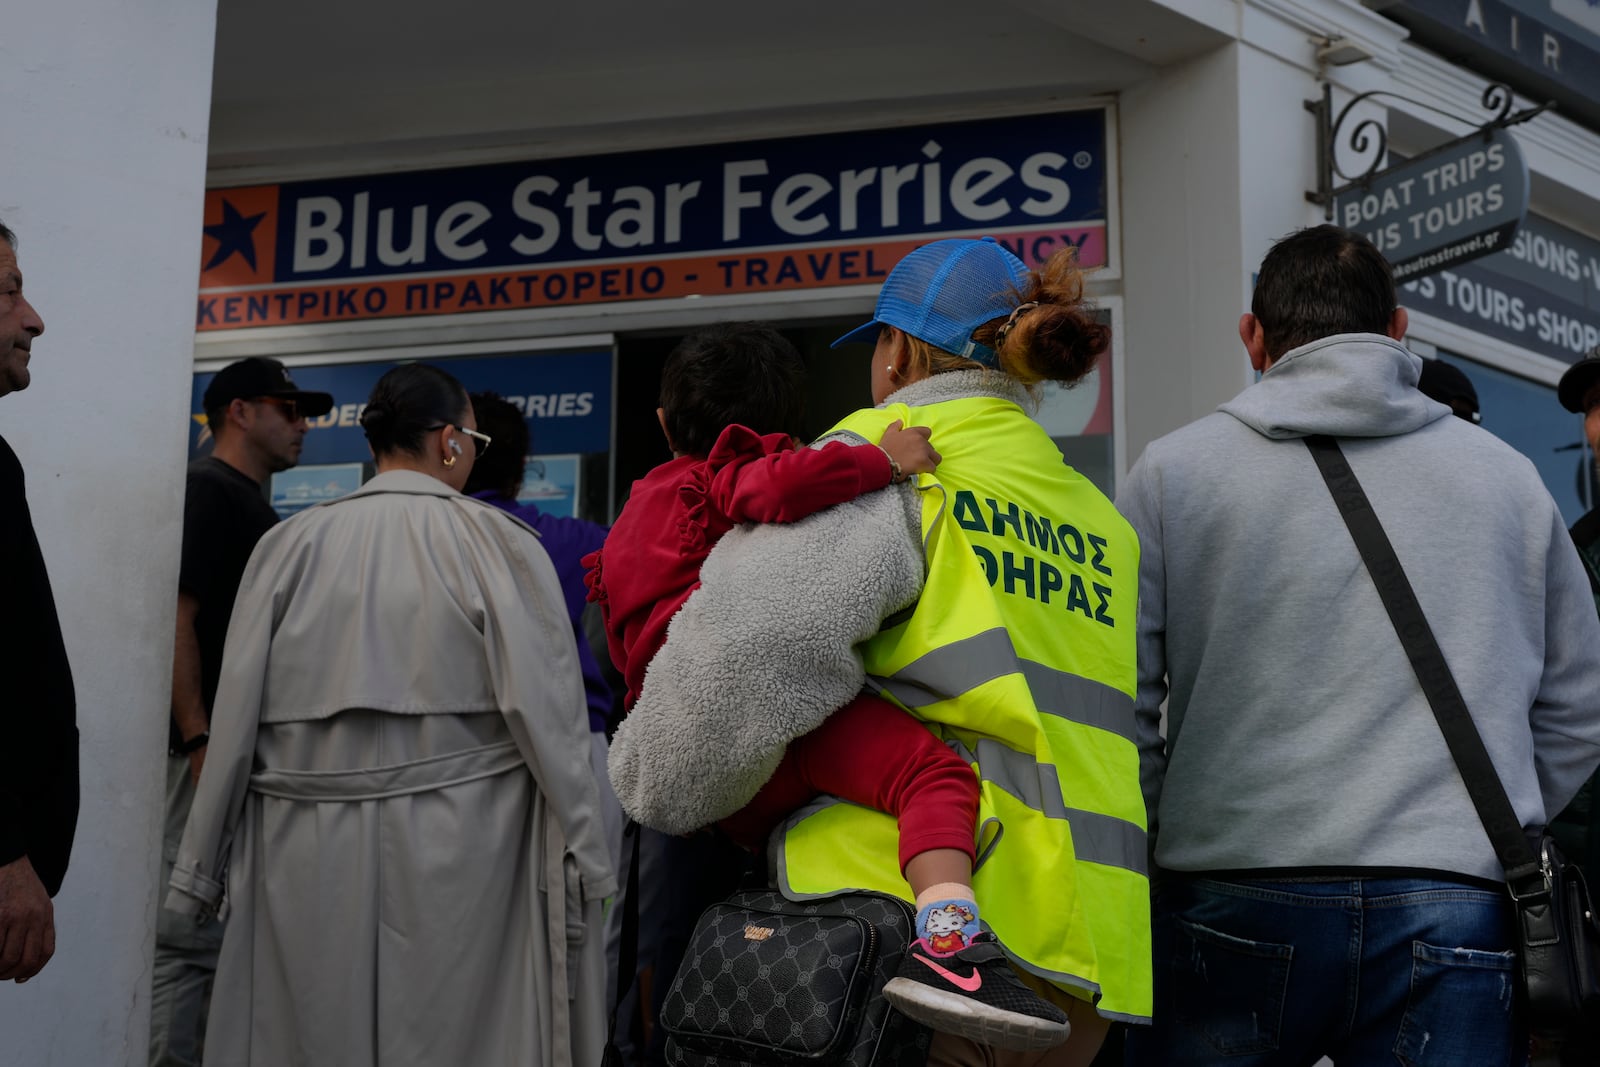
945	927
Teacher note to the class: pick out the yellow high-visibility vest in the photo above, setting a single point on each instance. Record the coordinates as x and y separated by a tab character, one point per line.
1021	655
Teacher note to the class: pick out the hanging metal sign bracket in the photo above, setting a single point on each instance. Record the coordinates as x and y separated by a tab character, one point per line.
1370	135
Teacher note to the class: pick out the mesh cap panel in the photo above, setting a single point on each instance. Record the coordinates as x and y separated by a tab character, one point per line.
942	292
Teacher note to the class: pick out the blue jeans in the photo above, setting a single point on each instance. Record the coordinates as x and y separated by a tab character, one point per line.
1367	971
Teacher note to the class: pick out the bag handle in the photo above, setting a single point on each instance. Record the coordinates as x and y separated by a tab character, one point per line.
1433	672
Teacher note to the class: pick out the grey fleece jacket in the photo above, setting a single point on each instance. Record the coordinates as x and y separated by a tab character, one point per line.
1297	734
764	650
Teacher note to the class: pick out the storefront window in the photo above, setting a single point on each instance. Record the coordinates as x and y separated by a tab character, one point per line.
1527	416
564	393
838	381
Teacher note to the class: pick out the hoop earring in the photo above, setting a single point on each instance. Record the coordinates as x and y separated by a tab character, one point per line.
450	461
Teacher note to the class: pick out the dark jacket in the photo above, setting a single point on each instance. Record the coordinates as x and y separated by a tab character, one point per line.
38	709
1586	535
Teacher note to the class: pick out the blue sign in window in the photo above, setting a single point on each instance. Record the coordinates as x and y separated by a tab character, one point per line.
565	396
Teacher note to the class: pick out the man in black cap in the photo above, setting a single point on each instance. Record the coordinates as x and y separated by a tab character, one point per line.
257	418
1450	386
1579	391
1577	828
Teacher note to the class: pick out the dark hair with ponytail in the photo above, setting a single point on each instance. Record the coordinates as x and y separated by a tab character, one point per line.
407	403
1058	340
1055	340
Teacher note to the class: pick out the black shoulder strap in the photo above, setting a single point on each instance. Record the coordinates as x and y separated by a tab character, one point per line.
1438	683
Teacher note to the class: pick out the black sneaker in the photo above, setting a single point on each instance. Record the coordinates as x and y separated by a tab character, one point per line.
975	994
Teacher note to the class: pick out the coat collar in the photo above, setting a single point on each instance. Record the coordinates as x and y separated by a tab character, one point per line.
414	483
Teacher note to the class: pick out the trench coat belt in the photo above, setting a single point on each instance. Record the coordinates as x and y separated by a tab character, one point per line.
376	783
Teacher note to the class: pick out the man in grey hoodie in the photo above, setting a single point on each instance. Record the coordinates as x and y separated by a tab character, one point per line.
1326	886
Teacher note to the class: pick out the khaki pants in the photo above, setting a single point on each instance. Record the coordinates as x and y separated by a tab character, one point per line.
186	952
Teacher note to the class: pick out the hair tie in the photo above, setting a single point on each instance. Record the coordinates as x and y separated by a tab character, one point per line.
1000	334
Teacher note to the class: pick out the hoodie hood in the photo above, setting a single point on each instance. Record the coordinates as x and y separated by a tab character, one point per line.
1347	385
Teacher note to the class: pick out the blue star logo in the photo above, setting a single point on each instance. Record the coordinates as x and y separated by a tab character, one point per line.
234	235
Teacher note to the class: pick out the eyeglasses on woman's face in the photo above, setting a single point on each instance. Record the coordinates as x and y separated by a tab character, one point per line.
480	441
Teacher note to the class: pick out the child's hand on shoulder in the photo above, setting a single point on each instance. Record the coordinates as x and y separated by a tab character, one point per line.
909	449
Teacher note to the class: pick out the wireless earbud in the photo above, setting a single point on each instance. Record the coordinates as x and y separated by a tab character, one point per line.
455	446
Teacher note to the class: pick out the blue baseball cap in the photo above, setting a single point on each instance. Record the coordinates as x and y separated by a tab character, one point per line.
942	292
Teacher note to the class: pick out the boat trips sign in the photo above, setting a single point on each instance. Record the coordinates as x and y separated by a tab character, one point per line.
804	212
1462	201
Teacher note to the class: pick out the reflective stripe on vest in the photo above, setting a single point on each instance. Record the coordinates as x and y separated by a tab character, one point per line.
1021	655
880	832
962	666
1096	838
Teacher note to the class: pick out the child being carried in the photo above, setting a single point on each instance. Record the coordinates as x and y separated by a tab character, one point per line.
731	400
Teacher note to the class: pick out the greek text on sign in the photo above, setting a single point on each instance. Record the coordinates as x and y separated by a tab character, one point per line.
1456	203
804	212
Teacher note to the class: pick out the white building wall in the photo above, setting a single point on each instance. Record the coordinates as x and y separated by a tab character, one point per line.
1181	251
1217	155
101	175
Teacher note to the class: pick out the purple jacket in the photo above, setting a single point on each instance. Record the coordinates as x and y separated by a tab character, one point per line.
566	542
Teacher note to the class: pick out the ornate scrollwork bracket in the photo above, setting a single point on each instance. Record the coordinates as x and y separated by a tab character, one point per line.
1369	138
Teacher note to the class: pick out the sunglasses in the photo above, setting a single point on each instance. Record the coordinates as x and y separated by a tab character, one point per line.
290	408
480	441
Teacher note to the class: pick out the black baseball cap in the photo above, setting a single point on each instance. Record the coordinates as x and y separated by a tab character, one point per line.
1575	383
259	376
1449	385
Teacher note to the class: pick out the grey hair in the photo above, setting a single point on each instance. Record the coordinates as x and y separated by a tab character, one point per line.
8	236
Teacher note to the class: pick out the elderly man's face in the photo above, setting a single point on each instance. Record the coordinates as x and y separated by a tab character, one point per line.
19	324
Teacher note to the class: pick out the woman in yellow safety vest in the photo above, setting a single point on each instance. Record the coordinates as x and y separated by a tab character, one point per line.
994	599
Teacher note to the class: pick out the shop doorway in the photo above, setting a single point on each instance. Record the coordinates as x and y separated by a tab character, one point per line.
837	383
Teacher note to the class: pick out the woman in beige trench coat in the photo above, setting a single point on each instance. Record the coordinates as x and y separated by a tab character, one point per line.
397	810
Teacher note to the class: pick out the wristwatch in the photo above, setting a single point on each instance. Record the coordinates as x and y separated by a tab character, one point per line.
194	744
